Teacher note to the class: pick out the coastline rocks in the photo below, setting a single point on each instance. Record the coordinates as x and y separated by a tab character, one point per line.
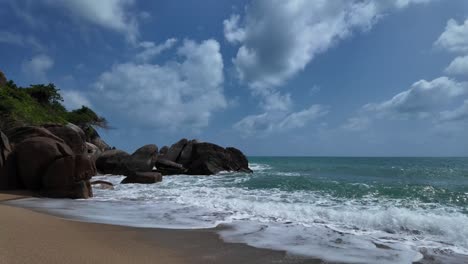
92	151
8	180
19	134
208	159
93	137
113	162
163	150
143	158
174	151
143	178
103	185
167	167
5	149
49	166
73	136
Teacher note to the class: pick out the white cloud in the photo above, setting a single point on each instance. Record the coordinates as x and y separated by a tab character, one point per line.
73	99
20	40
455	37
177	94
36	68
110	14
458	114
278	121
150	49
358	123
279	38
421	99
458	66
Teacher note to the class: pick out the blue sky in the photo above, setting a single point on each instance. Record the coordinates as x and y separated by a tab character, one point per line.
271	77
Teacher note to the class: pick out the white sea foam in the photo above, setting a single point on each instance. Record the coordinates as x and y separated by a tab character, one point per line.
302	222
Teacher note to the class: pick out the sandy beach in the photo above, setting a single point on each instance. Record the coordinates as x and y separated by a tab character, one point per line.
32	237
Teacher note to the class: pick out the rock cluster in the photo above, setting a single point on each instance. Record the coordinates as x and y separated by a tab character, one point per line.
50	160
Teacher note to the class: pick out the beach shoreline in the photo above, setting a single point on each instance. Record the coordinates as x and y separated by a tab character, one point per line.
34	237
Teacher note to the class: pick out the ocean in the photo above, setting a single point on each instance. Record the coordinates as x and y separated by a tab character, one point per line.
350	210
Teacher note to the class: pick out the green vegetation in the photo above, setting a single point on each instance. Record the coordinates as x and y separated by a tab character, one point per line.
40	104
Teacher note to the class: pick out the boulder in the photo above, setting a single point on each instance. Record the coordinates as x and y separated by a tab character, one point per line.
143	177
113	162
103	185
35	155
163	150
93	137
174	151
208	159
167	167
143	158
8	180
5	149
19	134
185	157
93	152
73	136
78	190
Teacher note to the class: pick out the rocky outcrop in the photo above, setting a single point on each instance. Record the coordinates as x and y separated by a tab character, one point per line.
113	162
93	137
163	150
5	149
19	134
92	151
167	167
73	136
174	151
8	179
143	159
143	178
103	185
208	159
44	163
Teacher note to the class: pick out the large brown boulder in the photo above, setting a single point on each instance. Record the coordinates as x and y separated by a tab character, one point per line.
208	159
174	151
167	167
49	166
143	178
113	162
185	157
19	134
8	180
143	158
73	136
35	155
92	151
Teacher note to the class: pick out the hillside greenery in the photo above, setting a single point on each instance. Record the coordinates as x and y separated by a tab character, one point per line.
40	104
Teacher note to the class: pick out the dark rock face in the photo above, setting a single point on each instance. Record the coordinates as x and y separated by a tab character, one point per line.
143	159
208	159
93	152
5	149
93	137
73	136
163	150
174	151
49	166
104	185
143	178
113	162
167	167
8	180
19	134
185	157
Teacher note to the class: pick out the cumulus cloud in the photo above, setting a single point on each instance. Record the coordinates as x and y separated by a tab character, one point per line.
358	123
279	38
279	121
180	93
110	14
73	99
151	50
422	98
455	37
36	68
458	114
458	66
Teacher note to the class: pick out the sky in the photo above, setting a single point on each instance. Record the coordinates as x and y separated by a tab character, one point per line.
270	77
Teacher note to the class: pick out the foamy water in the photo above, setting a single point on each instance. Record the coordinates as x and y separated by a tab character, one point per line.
369	228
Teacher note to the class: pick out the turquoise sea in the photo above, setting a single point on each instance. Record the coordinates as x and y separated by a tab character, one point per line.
350	210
